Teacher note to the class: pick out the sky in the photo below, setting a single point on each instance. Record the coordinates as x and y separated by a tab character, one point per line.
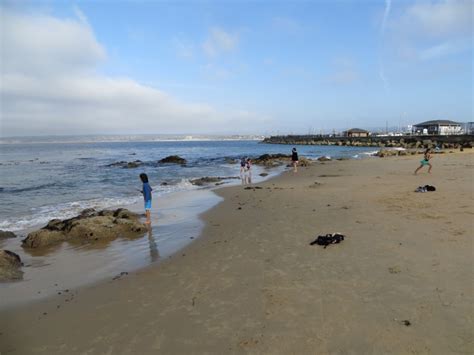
232	67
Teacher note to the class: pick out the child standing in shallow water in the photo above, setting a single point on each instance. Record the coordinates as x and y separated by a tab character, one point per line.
146	191
425	161
294	160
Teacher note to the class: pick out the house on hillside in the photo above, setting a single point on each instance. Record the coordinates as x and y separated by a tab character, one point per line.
438	127
356	132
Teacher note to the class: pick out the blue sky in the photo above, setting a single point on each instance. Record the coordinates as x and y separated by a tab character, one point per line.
233	67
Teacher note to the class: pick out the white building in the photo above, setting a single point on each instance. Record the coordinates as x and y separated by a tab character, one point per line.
438	127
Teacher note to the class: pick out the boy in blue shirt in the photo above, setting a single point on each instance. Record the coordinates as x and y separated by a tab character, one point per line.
146	191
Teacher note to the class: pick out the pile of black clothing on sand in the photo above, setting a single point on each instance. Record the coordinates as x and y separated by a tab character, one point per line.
425	188
325	240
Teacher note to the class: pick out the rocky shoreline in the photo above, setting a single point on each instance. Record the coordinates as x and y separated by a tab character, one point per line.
407	142
89	226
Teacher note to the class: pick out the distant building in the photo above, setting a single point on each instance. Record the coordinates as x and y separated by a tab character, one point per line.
356	132
438	127
469	127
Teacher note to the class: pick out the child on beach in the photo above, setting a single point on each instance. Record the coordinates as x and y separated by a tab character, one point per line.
243	170
248	167
294	160
425	161
146	191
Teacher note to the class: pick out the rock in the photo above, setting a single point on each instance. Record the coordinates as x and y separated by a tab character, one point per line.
164	184
402	152
10	266
324	158
263	174
230	160
117	163
90	225
211	180
304	162
386	153
270	160
126	164
133	164
173	159
6	235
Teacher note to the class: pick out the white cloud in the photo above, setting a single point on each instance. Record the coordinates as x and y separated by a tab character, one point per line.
443	49
432	29
44	45
388	5
50	85
220	41
439	18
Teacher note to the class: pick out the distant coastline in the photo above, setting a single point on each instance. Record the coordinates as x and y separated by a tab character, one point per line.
127	138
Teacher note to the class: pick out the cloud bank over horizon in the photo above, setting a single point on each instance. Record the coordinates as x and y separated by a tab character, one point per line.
50	85
194	68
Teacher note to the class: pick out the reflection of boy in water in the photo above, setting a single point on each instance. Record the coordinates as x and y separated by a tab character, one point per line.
154	253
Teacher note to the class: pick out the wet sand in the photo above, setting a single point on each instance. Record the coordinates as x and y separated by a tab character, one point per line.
400	283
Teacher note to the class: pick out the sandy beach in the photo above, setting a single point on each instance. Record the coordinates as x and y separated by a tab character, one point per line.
400	283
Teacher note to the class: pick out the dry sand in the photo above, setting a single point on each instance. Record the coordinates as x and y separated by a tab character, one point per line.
401	282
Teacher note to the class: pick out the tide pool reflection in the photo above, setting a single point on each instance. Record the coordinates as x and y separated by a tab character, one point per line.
154	253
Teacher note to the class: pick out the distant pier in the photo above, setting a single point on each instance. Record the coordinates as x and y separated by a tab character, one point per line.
425	141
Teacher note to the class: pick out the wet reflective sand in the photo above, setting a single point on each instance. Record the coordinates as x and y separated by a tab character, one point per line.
48	271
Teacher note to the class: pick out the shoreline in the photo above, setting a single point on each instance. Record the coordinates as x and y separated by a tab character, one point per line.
175	224
251	283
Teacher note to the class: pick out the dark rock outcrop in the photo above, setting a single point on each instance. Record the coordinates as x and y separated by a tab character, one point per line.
207	180
324	158
127	164
304	162
270	160
173	159
6	235
230	160
10	266
89	226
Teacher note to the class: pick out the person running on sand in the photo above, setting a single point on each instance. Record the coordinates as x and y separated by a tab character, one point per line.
425	161
146	191
294	160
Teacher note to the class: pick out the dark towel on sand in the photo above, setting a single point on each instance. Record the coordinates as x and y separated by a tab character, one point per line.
327	239
425	188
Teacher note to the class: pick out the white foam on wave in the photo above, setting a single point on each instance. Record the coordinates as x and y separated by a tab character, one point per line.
182	185
370	153
42	215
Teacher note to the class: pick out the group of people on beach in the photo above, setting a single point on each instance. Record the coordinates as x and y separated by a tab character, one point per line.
246	176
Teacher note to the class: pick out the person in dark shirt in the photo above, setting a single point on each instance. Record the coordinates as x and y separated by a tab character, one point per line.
294	160
146	191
